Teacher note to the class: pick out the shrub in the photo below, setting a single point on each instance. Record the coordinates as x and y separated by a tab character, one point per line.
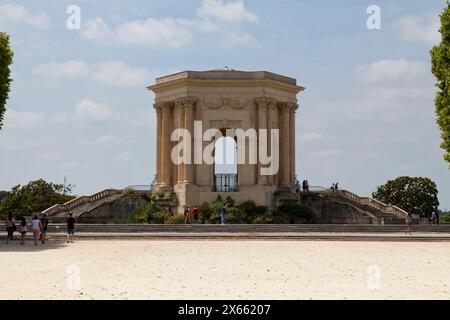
128	192
251	210
215	217
205	212
262	219
176	219
235	215
296	210
249	207
444	218
230	201
159	217
146	214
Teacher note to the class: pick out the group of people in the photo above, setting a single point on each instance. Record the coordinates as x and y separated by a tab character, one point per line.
434	217
191	215
38	227
334	187
305	186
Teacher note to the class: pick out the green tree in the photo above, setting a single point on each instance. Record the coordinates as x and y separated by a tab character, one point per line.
34	197
415	195
440	59
6	59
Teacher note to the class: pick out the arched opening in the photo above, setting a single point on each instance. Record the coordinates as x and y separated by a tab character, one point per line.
225	165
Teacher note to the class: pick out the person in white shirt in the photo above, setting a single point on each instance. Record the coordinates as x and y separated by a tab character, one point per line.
36	228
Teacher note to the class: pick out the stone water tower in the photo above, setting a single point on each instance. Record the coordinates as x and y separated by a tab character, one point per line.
224	99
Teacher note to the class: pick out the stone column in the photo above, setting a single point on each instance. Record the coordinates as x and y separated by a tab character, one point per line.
158	109
292	109
272	125
166	161
189	105
255	126
179	124
285	146
261	104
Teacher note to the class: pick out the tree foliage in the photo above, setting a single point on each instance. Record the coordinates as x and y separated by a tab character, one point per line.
440	58
6	58
32	198
418	196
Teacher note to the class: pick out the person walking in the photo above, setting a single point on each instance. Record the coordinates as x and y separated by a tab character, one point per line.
23	230
307	185
195	213
437	217
433	218
223	213
336	186
409	222
10	227
187	215
44	222
70	228
36	228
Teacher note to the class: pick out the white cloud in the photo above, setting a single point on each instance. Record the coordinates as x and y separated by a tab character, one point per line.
392	70
16	14
226	11
71	68
311	137
111	72
167	32
97	30
118	73
174	32
90	110
24	120
419	28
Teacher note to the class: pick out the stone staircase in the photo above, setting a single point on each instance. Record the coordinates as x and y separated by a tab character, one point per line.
82	205
244	228
380	212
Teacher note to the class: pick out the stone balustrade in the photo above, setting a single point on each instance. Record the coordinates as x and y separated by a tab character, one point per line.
79	201
374	203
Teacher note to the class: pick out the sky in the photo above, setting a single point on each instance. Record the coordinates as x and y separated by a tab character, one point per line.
79	107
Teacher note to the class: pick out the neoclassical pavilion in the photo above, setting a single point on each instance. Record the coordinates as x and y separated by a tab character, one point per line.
224	99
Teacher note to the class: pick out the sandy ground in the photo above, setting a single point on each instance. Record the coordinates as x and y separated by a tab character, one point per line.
225	270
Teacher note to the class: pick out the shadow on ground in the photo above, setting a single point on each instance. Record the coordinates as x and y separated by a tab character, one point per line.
15	246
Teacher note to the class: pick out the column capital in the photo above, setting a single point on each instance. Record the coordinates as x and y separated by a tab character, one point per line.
288	107
186	102
158	106
163	106
265	102
292	107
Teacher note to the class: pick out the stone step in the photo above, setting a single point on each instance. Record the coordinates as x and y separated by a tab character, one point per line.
249	236
235	228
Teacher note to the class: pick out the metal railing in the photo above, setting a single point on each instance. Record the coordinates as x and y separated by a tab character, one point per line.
225	182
